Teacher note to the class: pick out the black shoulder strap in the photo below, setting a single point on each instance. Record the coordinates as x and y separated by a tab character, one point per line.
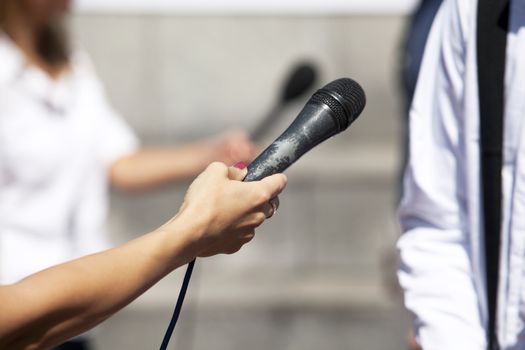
491	51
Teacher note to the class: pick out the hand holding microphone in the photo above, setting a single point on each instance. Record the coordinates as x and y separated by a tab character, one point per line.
225	210
328	112
222	203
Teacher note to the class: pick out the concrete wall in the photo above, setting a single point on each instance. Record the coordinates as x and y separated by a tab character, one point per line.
324	264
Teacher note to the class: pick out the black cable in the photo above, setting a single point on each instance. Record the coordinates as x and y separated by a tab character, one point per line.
178	306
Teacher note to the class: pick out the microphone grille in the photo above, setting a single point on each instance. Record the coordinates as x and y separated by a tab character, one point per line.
345	97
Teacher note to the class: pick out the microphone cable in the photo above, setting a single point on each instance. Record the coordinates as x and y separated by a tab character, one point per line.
178	306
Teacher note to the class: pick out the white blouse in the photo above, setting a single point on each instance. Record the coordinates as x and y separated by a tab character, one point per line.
57	140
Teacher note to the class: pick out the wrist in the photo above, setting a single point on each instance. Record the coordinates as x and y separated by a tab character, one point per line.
185	235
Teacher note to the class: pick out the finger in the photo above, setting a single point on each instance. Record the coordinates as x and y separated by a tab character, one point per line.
248	236
245	239
237	172
233	249
244	234
217	168
253	220
275	202
270	208
274	185
238	239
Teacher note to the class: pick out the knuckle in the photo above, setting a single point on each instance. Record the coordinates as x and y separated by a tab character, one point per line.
284	181
263	195
233	250
216	166
259	219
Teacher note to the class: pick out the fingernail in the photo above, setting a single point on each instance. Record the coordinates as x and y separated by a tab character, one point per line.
240	165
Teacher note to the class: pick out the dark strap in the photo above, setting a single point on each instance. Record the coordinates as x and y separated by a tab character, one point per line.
491	45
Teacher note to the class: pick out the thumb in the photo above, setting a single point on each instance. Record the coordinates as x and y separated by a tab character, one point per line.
274	184
237	172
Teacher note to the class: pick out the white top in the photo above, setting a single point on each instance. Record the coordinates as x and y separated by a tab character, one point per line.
57	139
441	249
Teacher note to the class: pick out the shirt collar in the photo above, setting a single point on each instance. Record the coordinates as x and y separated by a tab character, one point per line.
14	69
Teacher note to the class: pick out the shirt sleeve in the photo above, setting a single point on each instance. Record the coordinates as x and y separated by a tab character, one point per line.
116	138
435	269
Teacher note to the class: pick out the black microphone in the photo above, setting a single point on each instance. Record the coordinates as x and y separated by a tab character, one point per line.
299	81
328	112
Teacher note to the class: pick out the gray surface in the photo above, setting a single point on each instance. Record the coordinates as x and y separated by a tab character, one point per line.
166	74
277	328
319	275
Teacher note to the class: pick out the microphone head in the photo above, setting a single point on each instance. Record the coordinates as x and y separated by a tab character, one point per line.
299	81
345	97
329	111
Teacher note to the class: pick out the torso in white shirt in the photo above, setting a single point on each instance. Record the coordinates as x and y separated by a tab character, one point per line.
57	138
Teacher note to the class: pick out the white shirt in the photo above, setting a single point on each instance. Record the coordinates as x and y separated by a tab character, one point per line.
57	139
441	248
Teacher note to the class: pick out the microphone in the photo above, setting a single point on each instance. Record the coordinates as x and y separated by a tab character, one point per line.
328	112
299	81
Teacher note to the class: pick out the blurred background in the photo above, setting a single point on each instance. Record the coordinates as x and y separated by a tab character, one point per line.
320	274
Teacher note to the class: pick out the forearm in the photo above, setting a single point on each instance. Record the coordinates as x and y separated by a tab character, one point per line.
219	215
153	167
56	304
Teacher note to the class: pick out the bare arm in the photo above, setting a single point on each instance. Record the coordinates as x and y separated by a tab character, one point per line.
218	215
152	167
58	303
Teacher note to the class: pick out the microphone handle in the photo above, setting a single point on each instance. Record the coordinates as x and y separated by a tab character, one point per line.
314	124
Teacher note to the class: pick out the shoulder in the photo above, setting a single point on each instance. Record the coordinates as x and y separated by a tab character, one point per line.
81	61
459	18
84	70
464	9
453	32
